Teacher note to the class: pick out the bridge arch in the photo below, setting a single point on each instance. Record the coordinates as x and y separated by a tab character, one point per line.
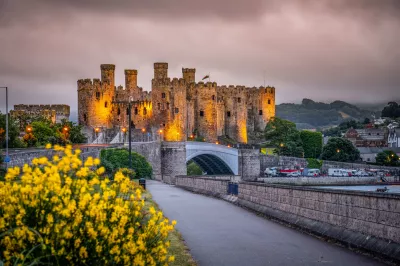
212	158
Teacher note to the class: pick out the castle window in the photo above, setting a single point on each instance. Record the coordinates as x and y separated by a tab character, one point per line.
136	111
97	95
163	95
84	117
145	111
269	101
159	106
106	104
132	124
213	97
127	111
167	106
201	113
118	111
228	114
176	110
239	100
260	112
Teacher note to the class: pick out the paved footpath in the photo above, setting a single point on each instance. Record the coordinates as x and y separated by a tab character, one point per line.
220	233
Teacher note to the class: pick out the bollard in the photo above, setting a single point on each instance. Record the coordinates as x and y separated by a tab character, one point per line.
235	189
230	188
142	182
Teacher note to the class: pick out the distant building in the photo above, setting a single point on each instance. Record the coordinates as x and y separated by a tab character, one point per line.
394	137
368	154
367	137
55	112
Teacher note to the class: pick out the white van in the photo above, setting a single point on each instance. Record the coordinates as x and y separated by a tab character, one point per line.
313	172
337	172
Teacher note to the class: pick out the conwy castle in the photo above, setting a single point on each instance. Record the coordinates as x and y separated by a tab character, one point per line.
180	108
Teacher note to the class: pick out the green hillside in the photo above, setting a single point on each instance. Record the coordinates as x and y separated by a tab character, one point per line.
310	114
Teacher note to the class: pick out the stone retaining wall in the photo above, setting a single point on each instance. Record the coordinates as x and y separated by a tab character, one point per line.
310	181
292	162
366	220
211	185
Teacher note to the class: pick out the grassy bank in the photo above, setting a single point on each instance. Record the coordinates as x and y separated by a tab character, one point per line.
178	247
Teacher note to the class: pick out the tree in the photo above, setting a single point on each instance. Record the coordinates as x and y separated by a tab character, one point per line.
73	133
387	158
193	169
13	132
312	143
114	159
341	150
392	110
284	137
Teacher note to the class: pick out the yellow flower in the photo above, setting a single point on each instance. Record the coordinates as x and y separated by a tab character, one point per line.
48	146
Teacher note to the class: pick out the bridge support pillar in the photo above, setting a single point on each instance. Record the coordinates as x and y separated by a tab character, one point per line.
249	164
173	161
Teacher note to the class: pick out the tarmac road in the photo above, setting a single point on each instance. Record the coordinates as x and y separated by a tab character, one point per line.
220	233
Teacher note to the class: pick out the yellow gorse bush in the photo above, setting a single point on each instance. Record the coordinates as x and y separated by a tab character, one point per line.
64	211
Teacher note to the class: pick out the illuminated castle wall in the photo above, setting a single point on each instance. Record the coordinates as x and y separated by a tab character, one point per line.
179	106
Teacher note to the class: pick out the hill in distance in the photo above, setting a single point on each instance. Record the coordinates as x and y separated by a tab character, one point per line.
310	114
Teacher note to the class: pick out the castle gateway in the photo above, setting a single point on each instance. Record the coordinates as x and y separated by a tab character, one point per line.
180	107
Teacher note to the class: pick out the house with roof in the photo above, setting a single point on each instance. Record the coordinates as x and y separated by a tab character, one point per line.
394	137
367	137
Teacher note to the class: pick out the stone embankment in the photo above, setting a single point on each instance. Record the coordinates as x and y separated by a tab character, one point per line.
368	221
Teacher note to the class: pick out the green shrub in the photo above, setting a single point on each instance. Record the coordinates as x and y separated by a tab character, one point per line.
314	163
193	169
115	159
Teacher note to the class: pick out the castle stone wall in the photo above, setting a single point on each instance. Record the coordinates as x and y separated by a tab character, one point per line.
178	106
173	161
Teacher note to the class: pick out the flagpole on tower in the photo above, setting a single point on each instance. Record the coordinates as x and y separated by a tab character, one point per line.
209	77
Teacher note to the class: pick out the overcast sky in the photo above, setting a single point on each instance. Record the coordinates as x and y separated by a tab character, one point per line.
322	49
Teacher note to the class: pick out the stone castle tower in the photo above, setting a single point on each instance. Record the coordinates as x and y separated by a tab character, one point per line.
179	107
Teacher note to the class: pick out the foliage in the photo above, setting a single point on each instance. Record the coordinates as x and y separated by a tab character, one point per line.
387	158
13	132
128	173
343	127
64	211
312	143
44	131
392	110
319	114
341	150
314	163
284	137
114	159
193	169
74	133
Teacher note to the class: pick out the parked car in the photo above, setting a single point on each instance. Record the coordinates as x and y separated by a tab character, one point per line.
337	172
273	171
294	174
313	172
361	173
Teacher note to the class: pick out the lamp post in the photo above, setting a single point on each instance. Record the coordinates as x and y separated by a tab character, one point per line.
124	132
160	132
97	130
143	131
130	102
7	156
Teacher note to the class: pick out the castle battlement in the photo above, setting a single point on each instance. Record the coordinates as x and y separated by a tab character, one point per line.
160	65
130	72
178	82
107	67
201	84
188	70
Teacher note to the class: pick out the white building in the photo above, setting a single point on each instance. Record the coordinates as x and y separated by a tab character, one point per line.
394	138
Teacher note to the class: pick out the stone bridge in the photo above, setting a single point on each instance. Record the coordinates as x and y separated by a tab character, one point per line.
212	158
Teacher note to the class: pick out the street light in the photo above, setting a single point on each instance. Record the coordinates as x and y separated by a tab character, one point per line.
143	131
7	157
337	150
97	130
29	129
160	132
124	131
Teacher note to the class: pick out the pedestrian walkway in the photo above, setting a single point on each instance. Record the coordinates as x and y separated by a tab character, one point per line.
220	233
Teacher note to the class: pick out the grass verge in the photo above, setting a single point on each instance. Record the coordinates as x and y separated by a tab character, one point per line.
178	247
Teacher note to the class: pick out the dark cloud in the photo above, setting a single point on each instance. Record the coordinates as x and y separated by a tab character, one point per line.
322	49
